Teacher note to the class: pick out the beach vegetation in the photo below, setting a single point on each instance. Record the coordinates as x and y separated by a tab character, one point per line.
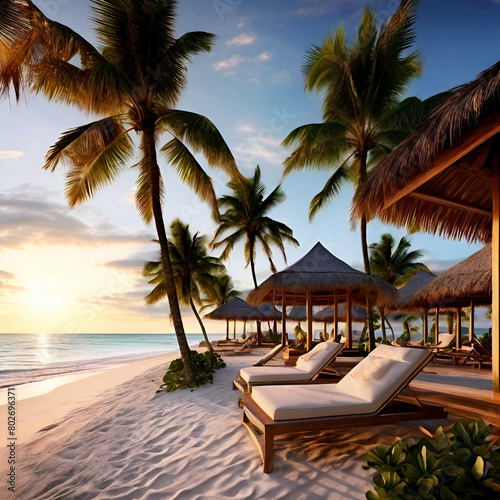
203	366
244	217
131	85
460	463
193	269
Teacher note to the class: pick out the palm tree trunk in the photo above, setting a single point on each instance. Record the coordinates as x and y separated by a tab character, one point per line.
165	257
382	324
202	326
252	267
366	258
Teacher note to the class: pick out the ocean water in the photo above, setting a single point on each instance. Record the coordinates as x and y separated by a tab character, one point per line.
26	358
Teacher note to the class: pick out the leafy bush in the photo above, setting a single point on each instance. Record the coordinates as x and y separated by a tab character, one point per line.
271	337
486	338
203	365
461	463
403	339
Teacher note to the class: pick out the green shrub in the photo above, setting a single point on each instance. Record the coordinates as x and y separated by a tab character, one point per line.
459	464
203	365
403	339
271	337
486	338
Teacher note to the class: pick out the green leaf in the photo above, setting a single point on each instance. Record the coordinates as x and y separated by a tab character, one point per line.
478	469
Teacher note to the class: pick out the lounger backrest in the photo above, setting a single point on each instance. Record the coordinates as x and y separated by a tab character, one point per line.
312	362
383	373
270	355
445	339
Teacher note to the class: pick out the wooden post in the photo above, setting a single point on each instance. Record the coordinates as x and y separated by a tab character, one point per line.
348	320
458	332
495	268
336	316
425	325
245	328
436	340
227	329
325	333
309	320
283	318
471	320
234	331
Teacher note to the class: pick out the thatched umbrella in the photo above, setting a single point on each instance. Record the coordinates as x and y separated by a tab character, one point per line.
270	313
445	179
358	314
320	278
297	313
235	309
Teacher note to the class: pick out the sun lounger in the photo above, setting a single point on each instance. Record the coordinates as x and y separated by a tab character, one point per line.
445	340
237	349
364	397
307	368
270	355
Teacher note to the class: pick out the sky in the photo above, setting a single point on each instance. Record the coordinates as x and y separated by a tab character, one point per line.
79	271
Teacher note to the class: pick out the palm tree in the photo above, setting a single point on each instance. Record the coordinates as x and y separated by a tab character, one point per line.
244	214
394	265
133	85
194	270
219	293
361	82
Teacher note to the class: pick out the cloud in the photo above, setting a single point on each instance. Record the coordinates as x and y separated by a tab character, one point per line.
282	78
5	275
260	149
265	56
241	40
439	266
7	155
229	64
30	217
312	8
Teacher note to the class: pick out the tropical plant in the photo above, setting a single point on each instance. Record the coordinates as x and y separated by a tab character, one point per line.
203	366
221	291
244	214
193	269
361	82
132	85
396	265
461	463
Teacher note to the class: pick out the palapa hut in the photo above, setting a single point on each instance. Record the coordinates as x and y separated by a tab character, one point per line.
444	179
235	310
467	284
298	313
358	315
320	278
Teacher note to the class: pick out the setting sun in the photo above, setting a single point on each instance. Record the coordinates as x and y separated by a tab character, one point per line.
46	294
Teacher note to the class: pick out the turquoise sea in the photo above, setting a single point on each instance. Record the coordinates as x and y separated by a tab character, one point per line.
28	358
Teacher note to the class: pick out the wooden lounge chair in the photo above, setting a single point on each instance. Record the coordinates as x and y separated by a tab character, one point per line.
477	355
270	355
364	397
237	349
308	367
444	344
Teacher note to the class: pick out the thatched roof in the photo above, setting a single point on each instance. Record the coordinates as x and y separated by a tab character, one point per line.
358	314
469	279
324	275
267	311
297	313
439	179
407	293
235	309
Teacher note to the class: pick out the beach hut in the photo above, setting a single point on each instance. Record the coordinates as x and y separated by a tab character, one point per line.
235	310
358	315
320	278
444	179
297	314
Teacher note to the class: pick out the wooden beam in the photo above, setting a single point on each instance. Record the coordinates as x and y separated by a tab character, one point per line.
483	174
449	203
436	340
471	320
348	321
425	325
458	332
283	319
309	320
336	316
495	268
488	128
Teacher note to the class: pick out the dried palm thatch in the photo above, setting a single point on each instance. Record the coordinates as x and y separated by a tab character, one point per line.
268	313
236	309
439	179
323	275
297	313
456	287
358	314
407	293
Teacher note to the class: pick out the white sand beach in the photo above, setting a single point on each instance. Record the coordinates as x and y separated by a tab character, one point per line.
107	436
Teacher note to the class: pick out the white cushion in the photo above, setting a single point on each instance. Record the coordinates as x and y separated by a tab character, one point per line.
317	357
373	369
399	353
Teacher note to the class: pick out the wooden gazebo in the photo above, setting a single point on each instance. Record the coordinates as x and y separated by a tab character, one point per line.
320	278
444	179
